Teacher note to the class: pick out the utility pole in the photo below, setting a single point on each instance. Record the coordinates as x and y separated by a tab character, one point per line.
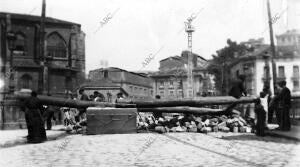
190	84
43	61
273	52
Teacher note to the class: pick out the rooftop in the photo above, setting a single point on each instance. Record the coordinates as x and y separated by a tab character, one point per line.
34	18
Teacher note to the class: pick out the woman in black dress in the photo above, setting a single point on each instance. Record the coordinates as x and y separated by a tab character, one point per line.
33	111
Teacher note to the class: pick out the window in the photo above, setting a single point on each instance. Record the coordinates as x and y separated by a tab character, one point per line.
145	91
135	89
130	88
281	72
105	74
161	93
20	44
296	71
180	84
171	93
161	84
56	46
151	92
26	81
296	84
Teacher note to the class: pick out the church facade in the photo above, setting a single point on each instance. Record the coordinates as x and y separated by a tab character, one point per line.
21	66
52	67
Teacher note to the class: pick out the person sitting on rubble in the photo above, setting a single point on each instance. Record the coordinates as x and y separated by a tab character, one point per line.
91	97
98	97
120	97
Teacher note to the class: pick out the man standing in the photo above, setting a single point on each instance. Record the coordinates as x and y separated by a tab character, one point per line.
284	106
83	97
33	110
49	115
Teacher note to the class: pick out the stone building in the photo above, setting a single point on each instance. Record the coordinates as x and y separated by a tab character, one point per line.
170	82
253	64
21	59
64	50
133	85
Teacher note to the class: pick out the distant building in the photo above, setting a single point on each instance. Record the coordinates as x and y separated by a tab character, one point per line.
289	38
134	85
170	82
252	65
106	88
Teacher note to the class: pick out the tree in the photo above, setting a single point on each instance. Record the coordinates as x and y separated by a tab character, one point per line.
220	64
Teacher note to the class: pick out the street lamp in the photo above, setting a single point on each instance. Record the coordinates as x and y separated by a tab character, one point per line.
11	38
266	57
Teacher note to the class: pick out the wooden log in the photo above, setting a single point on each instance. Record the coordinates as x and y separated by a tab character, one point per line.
295	96
199	102
57	101
186	110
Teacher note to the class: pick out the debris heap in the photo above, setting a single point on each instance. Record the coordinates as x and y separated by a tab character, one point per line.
191	123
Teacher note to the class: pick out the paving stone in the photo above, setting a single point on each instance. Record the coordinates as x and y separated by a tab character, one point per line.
172	149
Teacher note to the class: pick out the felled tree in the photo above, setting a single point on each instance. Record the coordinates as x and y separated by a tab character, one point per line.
220	64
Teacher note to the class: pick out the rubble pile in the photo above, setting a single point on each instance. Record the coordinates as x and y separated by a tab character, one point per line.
190	123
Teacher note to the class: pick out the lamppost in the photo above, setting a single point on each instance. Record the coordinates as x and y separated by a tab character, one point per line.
11	38
267	71
246	74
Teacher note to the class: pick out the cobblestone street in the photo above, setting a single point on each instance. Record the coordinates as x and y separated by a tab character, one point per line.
171	149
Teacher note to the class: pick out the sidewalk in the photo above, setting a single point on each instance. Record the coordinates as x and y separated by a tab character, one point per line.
294	134
9	138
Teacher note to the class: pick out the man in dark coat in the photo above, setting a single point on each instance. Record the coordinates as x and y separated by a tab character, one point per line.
273	106
284	106
49	115
33	110
238	90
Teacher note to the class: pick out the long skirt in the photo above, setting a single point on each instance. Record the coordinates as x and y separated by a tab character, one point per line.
284	119
36	129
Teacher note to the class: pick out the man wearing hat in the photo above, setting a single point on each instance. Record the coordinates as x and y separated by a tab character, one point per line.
284	106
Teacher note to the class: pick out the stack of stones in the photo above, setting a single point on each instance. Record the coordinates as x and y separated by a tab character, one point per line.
189	123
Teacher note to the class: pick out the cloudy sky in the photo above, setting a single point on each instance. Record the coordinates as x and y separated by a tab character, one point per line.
140	28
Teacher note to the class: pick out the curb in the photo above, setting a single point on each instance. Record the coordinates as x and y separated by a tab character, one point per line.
22	141
270	133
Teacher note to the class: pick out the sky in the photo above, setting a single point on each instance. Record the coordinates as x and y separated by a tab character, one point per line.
138	28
